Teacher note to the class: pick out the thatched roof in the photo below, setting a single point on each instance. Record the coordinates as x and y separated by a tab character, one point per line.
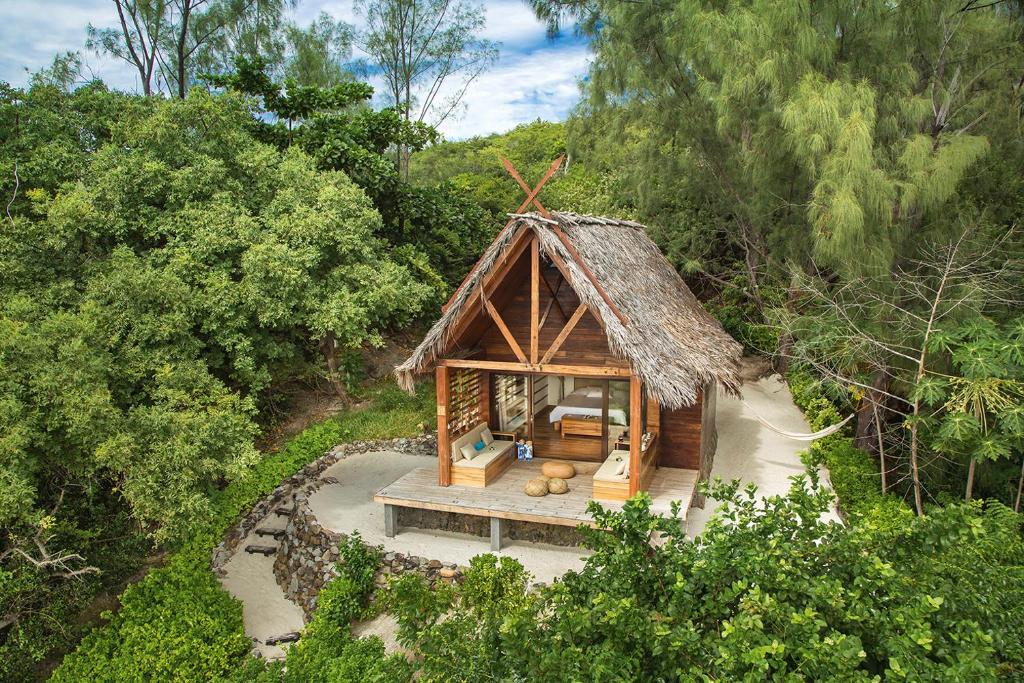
671	343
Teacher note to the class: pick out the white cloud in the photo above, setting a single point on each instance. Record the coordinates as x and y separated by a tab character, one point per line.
541	83
533	78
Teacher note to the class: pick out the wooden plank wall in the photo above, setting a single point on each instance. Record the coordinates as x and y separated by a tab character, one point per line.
680	436
586	345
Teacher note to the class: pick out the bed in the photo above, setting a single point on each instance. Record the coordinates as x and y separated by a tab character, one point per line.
588	401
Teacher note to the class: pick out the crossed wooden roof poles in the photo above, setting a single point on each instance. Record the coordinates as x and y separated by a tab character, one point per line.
531	198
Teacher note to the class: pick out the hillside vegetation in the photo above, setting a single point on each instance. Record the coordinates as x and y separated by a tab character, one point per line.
839	182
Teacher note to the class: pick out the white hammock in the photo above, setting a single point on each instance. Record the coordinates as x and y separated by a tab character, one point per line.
794	435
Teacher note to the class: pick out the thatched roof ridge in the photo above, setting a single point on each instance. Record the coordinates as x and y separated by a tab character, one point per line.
670	341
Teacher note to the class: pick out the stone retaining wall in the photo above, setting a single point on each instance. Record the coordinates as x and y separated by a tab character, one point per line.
481	526
308	554
310	478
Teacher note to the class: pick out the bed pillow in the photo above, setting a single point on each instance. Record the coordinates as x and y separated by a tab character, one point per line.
621	467
486	436
468	451
593	392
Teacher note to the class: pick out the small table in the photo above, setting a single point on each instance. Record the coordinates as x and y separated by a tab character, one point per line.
581	425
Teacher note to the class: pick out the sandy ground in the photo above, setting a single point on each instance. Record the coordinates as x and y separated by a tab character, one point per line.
385	627
752	453
746	451
266	612
348	506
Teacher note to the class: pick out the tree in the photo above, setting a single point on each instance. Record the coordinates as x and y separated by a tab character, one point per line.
836	132
891	337
438	228
769	591
423	47
175	40
315	55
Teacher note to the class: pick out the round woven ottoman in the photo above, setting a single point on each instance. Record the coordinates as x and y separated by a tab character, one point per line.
557	485
536	488
560	470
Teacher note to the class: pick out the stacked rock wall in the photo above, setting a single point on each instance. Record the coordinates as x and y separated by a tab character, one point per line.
310	477
308	554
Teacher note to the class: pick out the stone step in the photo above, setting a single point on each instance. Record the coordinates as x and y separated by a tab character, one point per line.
282	511
277	534
265	550
283	638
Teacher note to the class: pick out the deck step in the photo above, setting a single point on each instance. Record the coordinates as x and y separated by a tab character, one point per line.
277	534
265	550
290	637
282	511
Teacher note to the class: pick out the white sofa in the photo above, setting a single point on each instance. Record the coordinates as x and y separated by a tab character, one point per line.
485	464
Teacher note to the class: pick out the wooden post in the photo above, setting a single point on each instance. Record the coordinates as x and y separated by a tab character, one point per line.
534	299
605	390
636	433
497	529
390	520
444	457
529	407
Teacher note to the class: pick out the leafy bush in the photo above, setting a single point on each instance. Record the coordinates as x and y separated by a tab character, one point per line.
853	474
769	591
327	652
178	623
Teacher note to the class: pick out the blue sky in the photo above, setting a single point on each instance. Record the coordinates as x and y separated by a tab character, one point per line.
534	78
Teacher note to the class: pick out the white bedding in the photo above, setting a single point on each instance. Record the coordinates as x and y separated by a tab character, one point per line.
580	403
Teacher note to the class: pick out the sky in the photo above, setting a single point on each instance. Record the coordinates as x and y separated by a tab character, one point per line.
535	77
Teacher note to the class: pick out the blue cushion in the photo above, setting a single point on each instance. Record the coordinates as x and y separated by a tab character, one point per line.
479	445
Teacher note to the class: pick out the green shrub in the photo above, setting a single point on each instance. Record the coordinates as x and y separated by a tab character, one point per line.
853	473
327	652
178	623
770	591
345	599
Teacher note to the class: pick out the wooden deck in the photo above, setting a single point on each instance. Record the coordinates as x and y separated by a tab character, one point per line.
504	499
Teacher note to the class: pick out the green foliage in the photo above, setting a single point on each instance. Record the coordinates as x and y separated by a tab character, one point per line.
148	302
853	474
179	624
769	591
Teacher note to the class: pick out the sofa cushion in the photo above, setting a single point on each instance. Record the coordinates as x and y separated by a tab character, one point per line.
467	452
486	435
488	454
607	471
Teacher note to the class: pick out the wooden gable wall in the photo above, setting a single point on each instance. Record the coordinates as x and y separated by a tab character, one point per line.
512	298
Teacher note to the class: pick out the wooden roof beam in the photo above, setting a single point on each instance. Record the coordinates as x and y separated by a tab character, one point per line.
564	334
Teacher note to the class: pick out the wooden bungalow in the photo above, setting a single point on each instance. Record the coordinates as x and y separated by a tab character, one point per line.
572	333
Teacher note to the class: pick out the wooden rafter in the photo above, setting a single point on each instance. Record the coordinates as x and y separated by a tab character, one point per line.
543	369
505	331
564	334
554	293
553	301
532	198
531	195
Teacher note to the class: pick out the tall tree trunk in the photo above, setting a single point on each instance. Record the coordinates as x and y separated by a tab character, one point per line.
883	468
186	15
914	472
786	338
1020	488
867	413
969	493
329	347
